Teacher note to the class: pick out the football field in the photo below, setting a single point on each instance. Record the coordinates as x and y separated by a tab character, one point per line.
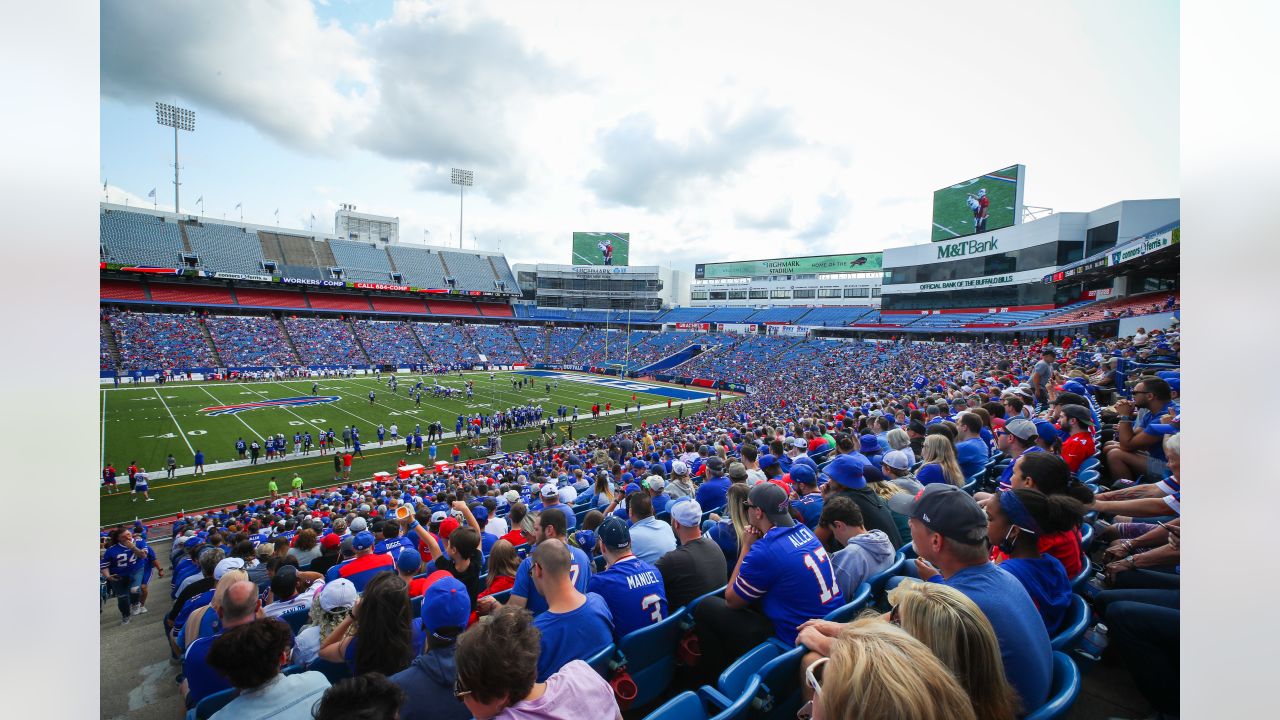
952	217
146	423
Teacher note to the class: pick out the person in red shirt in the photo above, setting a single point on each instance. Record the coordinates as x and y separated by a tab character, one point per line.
1079	444
346	466
516	536
456	453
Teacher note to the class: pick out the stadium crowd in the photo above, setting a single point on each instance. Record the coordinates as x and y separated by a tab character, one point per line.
1025	499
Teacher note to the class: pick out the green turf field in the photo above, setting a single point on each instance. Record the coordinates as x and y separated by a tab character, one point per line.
952	217
148	422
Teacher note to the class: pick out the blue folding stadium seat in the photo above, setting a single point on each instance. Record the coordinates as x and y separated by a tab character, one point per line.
293	669
336	672
877	581
1074	625
736	678
212	704
503	596
1064	691
1089	476
1088	464
1086	537
649	656
703	705
1086	572
415	604
780	686
971	484
909	550
861	598
296	618
602	661
694	602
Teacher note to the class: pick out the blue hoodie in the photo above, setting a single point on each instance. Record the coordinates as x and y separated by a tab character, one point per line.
428	688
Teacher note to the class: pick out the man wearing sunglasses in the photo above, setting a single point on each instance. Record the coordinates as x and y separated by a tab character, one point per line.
1136	450
782	568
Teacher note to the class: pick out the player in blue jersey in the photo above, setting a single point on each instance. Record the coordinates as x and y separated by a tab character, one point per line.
782	570
382	434
241	447
140	486
122	565
631	587
549	525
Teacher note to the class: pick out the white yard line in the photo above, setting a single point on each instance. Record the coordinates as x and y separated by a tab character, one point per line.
944	227
102	440
181	432
235	415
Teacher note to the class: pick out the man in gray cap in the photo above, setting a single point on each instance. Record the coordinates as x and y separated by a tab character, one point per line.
1018	436
782	568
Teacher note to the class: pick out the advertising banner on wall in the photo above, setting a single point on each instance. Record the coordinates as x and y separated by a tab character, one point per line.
810	265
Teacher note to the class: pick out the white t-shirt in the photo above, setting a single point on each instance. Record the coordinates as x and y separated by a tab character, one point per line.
497	526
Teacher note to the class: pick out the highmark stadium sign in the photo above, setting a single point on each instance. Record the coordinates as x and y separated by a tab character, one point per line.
812	265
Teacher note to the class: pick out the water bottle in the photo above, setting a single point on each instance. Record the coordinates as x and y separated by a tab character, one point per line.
1096	584
1093	643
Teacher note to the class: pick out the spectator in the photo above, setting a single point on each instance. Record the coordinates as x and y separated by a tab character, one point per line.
727	531
655	486
428	682
461	556
1017	437
861	553
1049	474
371	696
292	588
681	485
1016	520
250	656
328	609
240	606
808	503
848	479
366	564
328	557
898	439
518	518
972	452
1078	424
949	532
711	493
651	538
408	565
1136	449
631	588
122	565
497	662
940	465
575	626
783	568
876	671
549	525
697	566
382	640
504	563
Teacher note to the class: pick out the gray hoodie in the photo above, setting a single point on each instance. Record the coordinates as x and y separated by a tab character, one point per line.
864	556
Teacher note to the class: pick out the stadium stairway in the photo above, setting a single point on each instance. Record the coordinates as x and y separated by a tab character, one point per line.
213	347
523	350
445	265
285	330
421	347
113	348
359	342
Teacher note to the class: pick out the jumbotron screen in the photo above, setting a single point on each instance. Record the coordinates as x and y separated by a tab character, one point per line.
601	248
977	205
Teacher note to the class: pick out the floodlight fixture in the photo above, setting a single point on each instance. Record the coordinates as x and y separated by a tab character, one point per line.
178	119
463	179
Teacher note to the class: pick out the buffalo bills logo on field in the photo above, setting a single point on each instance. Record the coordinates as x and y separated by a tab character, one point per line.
281	402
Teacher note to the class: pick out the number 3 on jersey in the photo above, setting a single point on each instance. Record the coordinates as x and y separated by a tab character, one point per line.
820	564
653	604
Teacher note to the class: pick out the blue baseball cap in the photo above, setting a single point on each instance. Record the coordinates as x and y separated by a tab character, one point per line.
803	474
362	540
481	512
767	461
631	488
804	460
613	533
445	604
409	561
846	470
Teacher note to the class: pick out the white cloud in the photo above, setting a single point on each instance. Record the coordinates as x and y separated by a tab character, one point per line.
270	64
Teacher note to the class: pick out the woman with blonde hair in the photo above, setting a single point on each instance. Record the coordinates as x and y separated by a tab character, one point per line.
727	532
329	608
877	671
603	492
940	463
960	636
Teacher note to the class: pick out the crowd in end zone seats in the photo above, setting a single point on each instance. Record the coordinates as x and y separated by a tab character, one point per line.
153	340
1011	512
496	343
250	341
324	341
446	343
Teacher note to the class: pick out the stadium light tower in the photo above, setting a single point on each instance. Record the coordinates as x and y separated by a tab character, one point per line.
463	179
178	119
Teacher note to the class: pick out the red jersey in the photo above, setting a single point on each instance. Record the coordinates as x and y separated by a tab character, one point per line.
515	537
1064	545
1076	448
346	460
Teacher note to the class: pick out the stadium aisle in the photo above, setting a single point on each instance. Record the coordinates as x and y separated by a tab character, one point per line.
137	676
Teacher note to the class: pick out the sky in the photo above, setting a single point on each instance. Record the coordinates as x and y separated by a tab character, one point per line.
709	131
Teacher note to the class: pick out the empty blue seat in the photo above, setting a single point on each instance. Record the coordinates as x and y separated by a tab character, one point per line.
1089	476
649	656
503	596
212	704
845	613
1086	537
336	672
971	483
694	602
1073	625
415	604
780	686
704	705
737	677
1064	691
